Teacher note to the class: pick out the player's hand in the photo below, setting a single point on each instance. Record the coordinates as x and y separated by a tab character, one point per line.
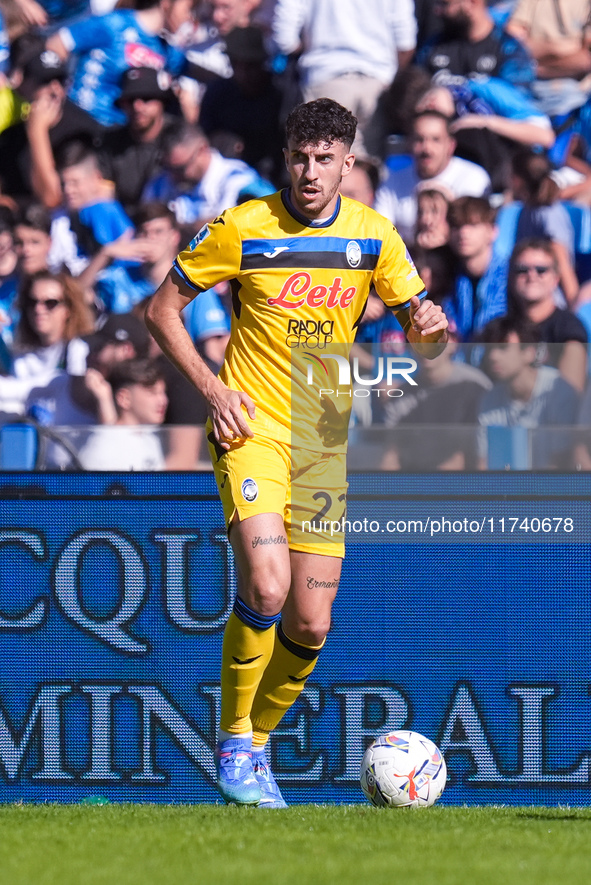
428	322
227	416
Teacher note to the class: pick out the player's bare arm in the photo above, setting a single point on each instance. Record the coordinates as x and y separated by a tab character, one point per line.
428	329
163	318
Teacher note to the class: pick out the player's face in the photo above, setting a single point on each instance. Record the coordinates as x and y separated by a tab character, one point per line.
316	171
432	146
534	277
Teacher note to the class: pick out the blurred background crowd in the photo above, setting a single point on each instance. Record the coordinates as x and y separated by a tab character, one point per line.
125	126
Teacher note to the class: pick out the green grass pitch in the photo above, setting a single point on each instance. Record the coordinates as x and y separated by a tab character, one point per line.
301	845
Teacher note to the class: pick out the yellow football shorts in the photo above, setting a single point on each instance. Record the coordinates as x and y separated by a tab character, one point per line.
308	489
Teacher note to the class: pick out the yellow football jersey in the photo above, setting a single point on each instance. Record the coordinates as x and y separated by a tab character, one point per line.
299	290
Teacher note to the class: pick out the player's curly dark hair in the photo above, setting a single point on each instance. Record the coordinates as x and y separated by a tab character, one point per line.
319	122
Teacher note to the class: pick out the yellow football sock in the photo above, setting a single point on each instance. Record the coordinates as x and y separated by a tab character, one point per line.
281	685
246	651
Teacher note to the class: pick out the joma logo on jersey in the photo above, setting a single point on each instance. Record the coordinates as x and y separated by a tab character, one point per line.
312	333
298	290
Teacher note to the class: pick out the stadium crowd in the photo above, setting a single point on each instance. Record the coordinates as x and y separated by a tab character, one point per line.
125	126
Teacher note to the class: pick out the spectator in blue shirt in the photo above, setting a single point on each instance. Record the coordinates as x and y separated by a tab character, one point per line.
125	272
92	217
480	291
198	183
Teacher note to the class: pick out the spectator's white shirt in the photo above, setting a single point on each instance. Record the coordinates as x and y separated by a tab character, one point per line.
345	36
122	448
396	198
37	368
64	246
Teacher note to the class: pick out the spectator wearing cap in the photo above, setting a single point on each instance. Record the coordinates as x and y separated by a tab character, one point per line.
247	104
105	46
207	323
28	149
131	154
86	398
198	182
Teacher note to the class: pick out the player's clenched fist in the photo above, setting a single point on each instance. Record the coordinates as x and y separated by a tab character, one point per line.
428	321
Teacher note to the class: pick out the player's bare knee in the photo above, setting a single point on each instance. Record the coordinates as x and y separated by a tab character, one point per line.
310	633
268	590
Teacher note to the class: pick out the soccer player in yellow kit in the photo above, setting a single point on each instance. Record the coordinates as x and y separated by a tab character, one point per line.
300	264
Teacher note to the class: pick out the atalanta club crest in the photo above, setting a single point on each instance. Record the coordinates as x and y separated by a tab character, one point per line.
250	490
353	253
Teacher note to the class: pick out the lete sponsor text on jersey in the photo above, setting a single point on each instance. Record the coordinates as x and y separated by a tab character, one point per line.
297	290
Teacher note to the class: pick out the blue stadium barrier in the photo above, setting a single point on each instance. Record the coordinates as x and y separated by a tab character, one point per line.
463	614
19	446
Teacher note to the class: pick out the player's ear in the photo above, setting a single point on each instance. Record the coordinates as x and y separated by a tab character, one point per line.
348	164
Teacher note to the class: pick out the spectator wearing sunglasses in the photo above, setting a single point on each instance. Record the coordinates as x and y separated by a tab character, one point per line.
543	215
24	250
533	284
53	316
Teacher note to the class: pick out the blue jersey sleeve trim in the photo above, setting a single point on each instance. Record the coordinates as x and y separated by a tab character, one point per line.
178	269
420	295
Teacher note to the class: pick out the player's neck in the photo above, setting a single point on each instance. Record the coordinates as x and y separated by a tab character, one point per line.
326	216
